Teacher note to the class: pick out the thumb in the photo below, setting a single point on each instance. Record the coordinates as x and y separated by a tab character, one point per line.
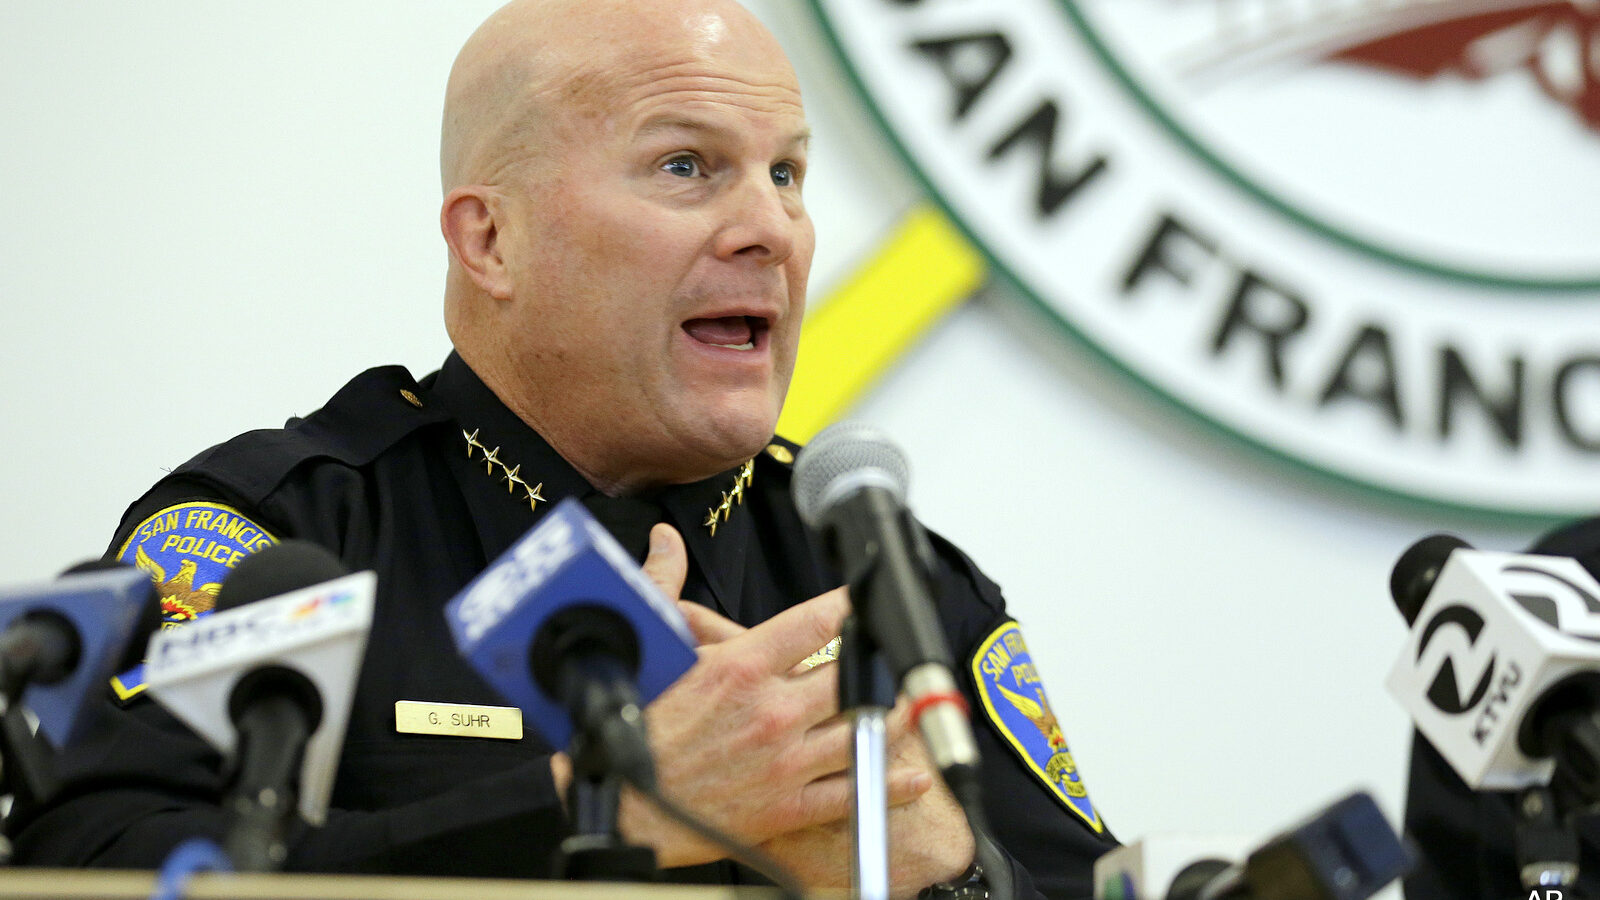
667	563
708	626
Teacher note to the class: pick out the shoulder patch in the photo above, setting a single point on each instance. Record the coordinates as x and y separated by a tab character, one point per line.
1015	704
187	550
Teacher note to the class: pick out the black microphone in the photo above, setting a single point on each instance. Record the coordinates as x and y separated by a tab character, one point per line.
258	636
587	656
274	708
55	638
1347	851
58	641
1515	699
1501	673
42	645
850	485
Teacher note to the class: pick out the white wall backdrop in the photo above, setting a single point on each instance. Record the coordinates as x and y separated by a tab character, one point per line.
216	213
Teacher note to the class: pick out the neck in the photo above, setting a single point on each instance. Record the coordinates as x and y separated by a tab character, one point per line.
615	469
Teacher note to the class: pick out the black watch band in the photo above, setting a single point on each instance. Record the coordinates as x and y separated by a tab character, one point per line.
970	885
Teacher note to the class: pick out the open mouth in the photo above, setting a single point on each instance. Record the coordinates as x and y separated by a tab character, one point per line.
728	332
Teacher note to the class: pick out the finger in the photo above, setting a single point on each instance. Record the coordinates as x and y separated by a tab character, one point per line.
833	797
907	783
708	626
827	799
667	562
826	747
816	690
797	632
898	722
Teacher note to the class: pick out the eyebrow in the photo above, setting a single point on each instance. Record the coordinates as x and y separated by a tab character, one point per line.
672	122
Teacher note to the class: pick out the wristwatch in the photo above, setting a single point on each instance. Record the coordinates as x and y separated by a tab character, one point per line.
970	885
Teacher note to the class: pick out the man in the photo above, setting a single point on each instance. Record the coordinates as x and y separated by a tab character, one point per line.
628	263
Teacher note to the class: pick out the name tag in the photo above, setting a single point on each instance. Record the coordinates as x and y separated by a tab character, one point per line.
458	719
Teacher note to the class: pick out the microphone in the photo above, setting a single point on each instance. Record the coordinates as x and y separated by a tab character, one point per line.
566	626
1346	851
850	486
1149	867
59	641
269	683
1501	668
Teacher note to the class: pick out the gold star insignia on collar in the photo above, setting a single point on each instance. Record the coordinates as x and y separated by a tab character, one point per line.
534	498
491	458
721	511
510	475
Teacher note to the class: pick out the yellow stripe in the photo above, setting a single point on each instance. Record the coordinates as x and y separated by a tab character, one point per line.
921	272
124	692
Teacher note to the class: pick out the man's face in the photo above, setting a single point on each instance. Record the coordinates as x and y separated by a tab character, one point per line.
660	249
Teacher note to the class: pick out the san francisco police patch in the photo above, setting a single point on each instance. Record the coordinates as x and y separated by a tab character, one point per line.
1013	697
187	550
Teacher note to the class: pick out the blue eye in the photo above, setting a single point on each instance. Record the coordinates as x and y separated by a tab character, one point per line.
682	166
784	175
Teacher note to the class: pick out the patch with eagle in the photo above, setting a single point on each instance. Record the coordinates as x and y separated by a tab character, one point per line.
1014	701
187	550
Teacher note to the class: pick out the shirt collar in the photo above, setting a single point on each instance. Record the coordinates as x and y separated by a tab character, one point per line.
504	449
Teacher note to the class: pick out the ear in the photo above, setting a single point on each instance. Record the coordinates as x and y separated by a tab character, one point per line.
468	222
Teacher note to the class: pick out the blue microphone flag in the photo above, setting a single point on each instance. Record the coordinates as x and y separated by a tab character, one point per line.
103	607
567	560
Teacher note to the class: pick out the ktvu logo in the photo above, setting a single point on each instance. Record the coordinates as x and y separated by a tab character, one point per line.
1454	633
1555	599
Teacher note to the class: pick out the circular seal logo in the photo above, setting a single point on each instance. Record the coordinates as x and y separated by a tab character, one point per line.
1356	234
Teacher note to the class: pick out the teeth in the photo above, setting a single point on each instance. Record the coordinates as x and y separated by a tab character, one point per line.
747	345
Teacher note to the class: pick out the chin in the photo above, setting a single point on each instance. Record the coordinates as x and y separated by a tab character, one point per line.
731	436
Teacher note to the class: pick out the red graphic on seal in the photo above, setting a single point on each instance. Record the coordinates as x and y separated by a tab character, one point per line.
1557	42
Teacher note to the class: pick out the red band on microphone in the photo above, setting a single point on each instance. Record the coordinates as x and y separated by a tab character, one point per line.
934	699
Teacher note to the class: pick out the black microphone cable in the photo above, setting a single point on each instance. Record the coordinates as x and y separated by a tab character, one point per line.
737	850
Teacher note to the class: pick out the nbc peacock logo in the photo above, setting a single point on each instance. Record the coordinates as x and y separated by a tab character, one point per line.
1361	235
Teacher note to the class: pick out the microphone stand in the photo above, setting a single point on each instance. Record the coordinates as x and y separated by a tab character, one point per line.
867	695
609	748
263	799
1547	848
25	772
1546	838
596	850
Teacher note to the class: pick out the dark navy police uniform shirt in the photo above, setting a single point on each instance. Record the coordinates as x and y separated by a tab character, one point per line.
426	483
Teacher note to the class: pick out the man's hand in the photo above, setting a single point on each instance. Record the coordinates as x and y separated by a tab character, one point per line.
747	739
929	840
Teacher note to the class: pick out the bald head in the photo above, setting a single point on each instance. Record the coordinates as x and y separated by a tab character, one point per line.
535	64
629	246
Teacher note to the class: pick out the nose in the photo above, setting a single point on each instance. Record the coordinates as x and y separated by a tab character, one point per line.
762	221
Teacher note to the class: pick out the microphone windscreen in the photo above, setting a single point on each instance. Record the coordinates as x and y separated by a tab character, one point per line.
1417	569
149	610
843	459
283	567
